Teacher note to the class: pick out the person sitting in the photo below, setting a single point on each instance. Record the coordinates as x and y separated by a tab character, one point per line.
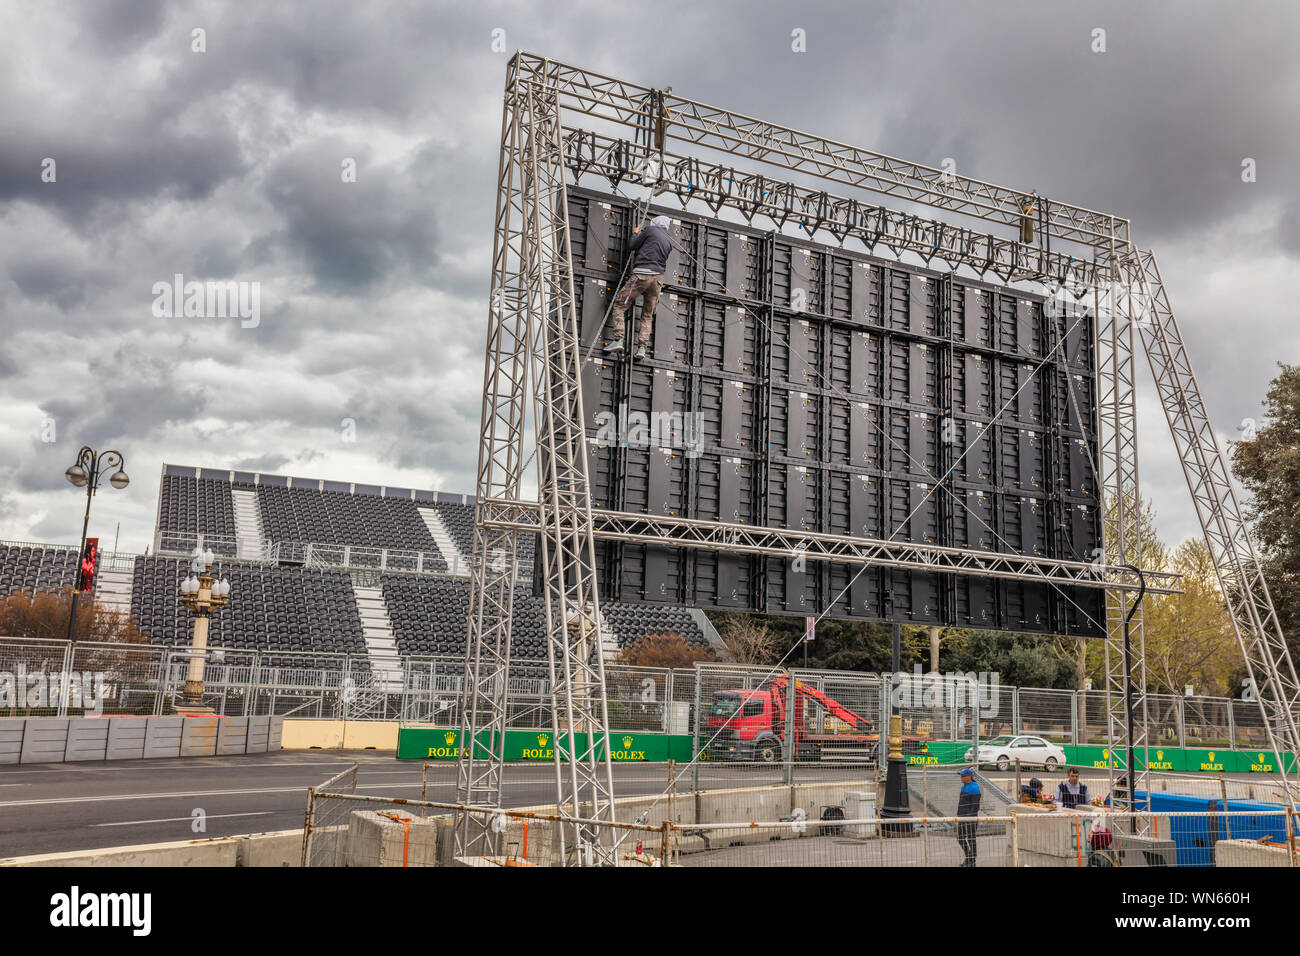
1032	792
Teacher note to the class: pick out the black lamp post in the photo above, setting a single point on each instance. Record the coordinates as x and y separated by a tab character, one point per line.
86	472
896	806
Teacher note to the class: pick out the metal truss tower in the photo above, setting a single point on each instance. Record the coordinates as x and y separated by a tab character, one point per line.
533	348
631	136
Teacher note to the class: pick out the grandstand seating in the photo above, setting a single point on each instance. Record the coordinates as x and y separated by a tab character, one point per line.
429	616
342	518
189	506
34	568
271	608
279	608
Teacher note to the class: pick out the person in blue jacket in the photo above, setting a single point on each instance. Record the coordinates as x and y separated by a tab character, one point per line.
968	805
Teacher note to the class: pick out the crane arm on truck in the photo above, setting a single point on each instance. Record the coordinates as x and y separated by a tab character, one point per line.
832	706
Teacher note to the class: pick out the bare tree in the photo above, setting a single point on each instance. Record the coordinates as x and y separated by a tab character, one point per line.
749	641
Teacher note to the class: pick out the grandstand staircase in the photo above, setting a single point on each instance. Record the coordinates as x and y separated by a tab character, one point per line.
609	646
377	628
249	542
113	590
457	563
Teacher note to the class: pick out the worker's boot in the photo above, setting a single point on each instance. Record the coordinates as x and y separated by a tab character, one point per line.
614	345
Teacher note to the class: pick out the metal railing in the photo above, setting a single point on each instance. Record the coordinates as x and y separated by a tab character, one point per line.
813	825
426	689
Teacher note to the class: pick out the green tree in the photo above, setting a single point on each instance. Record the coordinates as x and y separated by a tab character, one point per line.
1267	462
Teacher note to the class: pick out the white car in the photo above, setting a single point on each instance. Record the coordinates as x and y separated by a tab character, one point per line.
1031	751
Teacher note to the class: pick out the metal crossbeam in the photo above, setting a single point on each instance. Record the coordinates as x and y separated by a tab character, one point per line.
625	104
719	185
702	534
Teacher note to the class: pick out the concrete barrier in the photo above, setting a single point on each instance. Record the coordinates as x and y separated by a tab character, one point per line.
45	740
162	736
813	798
391	837
370	735
1250	853
259	731
311	734
199	737
87	740
11	740
339	734
64	739
232	735
221	851
277	848
125	738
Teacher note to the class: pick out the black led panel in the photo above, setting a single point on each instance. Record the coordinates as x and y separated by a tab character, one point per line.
801	386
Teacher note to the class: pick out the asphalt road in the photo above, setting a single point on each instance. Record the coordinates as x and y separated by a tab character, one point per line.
46	808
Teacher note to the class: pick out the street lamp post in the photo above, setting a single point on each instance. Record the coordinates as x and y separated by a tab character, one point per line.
86	473
202	594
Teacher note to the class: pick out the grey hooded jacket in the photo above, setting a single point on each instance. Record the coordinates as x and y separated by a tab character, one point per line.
652	246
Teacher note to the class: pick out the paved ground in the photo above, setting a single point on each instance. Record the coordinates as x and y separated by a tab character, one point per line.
51	807
928	849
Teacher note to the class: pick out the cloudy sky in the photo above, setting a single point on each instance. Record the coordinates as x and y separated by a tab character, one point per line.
226	164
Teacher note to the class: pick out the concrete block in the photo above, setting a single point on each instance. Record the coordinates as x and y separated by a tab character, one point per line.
199	736
126	738
743	805
45	739
11	739
656	810
259	729
370	735
278	848
274	733
162	736
536	842
1250	853
87	739
375	838
232	735
308	734
813	798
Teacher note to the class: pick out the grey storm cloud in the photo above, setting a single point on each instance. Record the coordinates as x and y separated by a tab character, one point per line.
352	235
226	165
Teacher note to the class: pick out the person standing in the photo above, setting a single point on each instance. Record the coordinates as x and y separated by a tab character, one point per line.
968	805
652	246
1072	791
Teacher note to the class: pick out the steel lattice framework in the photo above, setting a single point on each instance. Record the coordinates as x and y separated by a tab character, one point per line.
560	120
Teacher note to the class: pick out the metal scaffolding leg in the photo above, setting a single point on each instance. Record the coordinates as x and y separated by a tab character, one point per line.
567	551
1121	522
500	470
533	344
1255	622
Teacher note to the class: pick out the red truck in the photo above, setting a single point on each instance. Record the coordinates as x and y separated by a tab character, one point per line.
751	725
